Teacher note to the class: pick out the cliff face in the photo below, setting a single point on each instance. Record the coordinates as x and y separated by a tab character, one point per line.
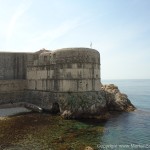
91	105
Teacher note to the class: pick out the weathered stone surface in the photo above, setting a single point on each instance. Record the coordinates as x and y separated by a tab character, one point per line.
91	105
82	105
65	70
65	81
116	101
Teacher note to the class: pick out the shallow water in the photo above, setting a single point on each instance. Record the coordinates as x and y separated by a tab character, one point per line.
45	131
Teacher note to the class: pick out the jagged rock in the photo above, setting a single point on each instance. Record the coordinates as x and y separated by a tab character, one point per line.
116	101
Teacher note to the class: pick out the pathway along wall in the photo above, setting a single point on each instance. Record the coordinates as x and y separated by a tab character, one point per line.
65	76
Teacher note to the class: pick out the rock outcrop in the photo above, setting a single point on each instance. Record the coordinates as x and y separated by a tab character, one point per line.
91	105
115	100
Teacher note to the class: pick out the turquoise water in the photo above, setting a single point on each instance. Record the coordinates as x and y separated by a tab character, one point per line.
130	130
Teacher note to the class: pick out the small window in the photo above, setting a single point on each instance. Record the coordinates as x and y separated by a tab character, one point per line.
35	85
86	86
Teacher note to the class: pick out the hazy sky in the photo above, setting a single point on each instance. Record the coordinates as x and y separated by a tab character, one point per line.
118	29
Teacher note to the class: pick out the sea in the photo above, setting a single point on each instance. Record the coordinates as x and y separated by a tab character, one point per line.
130	130
123	131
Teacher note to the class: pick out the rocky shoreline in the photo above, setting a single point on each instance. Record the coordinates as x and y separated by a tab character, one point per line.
108	99
99	105
116	101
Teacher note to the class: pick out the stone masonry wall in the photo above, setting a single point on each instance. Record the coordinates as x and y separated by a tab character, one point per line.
65	77
13	65
65	70
12	91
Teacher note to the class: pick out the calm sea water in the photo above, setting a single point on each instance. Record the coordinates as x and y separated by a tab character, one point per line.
122	131
130	130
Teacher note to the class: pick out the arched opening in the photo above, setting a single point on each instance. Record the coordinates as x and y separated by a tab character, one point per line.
55	108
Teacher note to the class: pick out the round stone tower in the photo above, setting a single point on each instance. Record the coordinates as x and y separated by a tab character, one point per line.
68	77
78	69
73	69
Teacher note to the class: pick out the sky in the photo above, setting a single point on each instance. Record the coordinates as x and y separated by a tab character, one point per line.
118	29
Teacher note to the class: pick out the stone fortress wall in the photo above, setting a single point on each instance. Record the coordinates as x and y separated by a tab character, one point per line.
65	70
47	77
13	66
65	81
13	76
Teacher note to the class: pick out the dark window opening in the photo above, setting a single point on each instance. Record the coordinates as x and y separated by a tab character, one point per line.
86	86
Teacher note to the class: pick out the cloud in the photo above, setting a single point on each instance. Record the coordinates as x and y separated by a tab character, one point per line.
22	8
